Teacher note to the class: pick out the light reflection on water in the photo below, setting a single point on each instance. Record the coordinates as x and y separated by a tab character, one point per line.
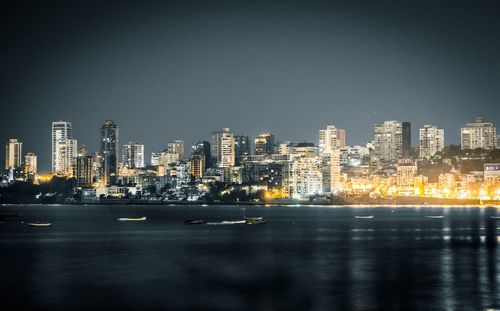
313	258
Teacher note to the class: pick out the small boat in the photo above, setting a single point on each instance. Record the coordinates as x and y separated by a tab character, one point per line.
435	217
132	218
194	222
228	222
256	221
364	217
39	224
495	217
250	218
253	218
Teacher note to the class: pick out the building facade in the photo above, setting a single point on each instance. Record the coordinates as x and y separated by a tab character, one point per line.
64	148
13	154
431	140
109	134
480	134
30	163
176	146
241	148
264	144
133	155
388	141
329	139
406	173
222	148
203	148
406	139
197	166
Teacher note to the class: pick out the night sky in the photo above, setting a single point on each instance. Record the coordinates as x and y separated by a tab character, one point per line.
178	70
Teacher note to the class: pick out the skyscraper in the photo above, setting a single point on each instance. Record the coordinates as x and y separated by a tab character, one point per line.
330	141
203	148
264	144
222	147
197	166
341	137
30	163
480	134
176	146
388	140
431	140
13	154
64	148
406	139
133	155
109	150
84	170
241	148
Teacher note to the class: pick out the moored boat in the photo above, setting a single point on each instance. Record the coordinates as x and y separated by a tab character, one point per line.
39	224
194	222
132	218
435	217
364	217
228	222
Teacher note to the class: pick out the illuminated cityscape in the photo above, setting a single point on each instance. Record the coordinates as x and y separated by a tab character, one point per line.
385	170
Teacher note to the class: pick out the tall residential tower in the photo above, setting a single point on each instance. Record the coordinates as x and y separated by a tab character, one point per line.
13	154
64	148
109	134
431	140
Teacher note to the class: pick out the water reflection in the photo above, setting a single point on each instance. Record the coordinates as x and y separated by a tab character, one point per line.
305	258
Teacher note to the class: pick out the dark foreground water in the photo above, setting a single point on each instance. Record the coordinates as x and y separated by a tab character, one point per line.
305	258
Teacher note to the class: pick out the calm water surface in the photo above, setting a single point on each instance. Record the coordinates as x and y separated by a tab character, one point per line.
305	258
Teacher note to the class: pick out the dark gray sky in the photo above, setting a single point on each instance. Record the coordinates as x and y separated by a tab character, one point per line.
181	69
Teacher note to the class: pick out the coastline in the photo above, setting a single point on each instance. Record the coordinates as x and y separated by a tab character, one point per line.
381	203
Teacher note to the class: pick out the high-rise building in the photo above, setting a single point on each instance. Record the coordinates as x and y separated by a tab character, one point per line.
222	147
30	163
431	140
133	155
329	139
197	165
64	148
13	154
480	134
203	148
341	137
66	156
97	168
388	140
109	151
264	144
176	146
84	170
303	177
241	148
167	158
406	136
330	170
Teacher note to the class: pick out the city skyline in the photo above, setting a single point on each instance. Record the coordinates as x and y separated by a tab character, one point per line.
179	147
168	71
